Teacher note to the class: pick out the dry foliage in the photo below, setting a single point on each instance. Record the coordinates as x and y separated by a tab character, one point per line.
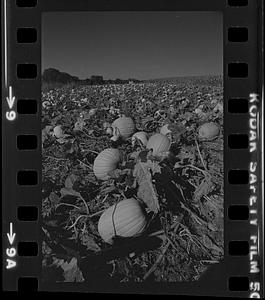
182	190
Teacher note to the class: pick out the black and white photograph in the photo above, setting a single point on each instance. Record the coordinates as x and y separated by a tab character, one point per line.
132	146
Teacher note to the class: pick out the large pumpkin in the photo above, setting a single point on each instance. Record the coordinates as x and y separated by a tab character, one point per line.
208	131
106	162
159	143
126	218
125	126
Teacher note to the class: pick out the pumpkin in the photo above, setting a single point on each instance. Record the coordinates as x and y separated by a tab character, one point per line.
58	132
48	129
92	112
106	125
126	218
106	162
140	135
84	115
208	131
125	126
219	107
46	104
198	111
79	125
159	143
109	131
214	102
165	130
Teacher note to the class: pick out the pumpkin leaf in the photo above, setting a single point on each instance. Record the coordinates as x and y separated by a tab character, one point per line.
203	189
71	271
177	129
79	125
54	198
135	154
143	155
70	192
70	181
88	241
45	133
117	173
61	140
146	191
107	190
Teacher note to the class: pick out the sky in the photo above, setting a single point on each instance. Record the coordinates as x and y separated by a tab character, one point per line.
140	45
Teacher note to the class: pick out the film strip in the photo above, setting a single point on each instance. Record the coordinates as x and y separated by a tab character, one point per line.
240	273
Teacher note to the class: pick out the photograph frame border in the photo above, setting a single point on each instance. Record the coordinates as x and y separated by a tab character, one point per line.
215	280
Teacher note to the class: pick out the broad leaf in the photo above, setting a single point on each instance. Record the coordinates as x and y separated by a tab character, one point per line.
117	173
146	191
54	198
88	241
203	189
71	271
71	192
70	181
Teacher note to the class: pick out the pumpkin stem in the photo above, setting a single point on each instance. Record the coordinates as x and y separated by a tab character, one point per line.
203	163
112	218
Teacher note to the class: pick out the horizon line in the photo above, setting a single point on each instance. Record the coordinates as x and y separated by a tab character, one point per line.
156	78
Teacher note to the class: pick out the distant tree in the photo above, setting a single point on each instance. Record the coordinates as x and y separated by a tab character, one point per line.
55	76
96	79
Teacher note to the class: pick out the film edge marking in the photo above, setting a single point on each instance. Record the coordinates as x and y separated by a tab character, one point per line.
11	114
11	251
254	250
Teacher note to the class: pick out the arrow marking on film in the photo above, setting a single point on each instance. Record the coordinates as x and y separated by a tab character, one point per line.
10	99
11	235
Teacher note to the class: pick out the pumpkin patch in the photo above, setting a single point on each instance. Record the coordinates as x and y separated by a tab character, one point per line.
130	172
